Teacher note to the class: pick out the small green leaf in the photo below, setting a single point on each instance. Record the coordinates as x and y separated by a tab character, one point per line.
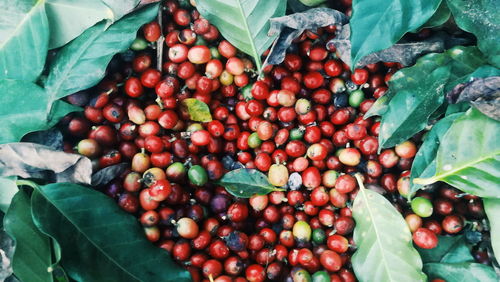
459	272
382	254
8	189
480	17
198	111
380	106
377	24
410	109
69	18
99	241
469	156
244	23
32	257
441	16
82	63
24	37
424	164
492	209
244	183
21	116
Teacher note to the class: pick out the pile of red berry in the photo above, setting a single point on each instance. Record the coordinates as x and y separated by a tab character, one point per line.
301	123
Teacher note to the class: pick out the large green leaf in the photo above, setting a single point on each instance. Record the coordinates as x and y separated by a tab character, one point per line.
377	24
480	17
99	241
416	80
8	189
24	36
424	164
382	254
441	16
410	109
31	113
69	18
244	23
492	209
32	257
82	63
244	183
460	272
469	156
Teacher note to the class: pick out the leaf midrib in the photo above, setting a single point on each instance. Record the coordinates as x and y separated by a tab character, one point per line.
365	198
85	235
249	34
21	23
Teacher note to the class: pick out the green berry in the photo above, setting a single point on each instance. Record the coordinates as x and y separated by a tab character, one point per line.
318	236
296	134
254	140
139	44
421	206
321	276
197	175
356	97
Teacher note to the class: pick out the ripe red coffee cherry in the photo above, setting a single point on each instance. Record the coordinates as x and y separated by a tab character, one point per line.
150	77
406	150
238	212
337	243
218	250
388	158
235	66
344	225
311	177
317	152
425	239
355	131
330	260
211	268
160	190
313	80
200	137
360	76
452	224
187	228
333	68
255	273
345	184
133	87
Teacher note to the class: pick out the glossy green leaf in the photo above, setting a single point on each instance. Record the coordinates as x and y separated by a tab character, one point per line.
24	36
244	23
480	17
378	24
451	249
69	18
380	106
244	183
31	113
416	80
459	272
492	209
382	254
32	257
424	163
441	16
8	189
99	241
469	156
410	108
82	63
198	111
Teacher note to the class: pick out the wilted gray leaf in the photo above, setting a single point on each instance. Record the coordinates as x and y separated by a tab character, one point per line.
105	175
30	160
291	26
405	53
7	247
482	93
52	138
